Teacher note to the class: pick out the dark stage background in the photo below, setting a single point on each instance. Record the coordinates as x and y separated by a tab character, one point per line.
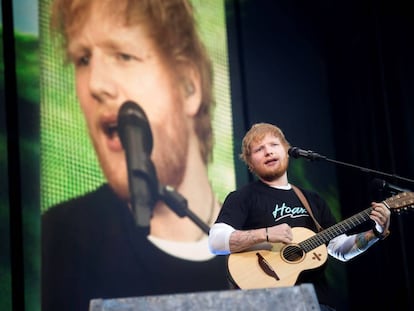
337	77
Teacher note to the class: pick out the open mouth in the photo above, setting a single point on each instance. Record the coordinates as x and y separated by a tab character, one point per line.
110	129
271	161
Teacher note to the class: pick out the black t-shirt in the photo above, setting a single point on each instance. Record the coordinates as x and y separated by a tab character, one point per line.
92	248
257	205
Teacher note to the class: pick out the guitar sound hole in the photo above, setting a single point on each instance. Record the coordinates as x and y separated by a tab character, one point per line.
292	253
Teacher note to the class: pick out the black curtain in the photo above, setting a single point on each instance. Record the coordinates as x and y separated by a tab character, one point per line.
370	69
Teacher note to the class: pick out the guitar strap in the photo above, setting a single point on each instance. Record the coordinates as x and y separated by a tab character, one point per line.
306	204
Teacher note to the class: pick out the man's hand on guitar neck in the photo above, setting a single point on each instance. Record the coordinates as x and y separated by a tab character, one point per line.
381	215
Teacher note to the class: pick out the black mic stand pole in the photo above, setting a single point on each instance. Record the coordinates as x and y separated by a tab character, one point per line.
367	170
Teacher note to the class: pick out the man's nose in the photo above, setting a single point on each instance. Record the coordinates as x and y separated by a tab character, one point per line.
268	150
102	84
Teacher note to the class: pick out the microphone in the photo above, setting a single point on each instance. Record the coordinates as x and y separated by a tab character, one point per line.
136	138
382	184
296	152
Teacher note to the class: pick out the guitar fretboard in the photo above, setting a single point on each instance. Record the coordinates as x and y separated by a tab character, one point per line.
332	232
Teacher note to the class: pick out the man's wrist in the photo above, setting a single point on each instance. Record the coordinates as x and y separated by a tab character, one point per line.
380	235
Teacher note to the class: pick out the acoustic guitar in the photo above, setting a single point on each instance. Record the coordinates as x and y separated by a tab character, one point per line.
279	264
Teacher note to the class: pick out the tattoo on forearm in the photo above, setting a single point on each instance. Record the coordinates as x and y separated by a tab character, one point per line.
241	240
362	240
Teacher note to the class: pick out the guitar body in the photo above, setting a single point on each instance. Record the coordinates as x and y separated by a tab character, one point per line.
279	266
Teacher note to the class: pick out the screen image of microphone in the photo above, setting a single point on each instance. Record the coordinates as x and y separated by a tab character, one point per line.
136	139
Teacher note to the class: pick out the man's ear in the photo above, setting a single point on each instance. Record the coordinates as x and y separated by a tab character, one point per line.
191	89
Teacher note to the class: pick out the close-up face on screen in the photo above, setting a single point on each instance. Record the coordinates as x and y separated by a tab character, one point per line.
135	111
69	163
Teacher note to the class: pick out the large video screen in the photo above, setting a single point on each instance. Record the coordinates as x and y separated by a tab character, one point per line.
68	162
184	90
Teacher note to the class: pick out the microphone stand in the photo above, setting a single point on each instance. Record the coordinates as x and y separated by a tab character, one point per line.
366	170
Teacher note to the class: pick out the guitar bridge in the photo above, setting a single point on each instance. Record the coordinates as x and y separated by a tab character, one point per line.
266	267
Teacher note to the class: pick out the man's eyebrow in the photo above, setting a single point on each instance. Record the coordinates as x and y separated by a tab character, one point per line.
112	45
73	56
76	48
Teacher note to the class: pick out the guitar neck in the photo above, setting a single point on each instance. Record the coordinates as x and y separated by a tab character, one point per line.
332	232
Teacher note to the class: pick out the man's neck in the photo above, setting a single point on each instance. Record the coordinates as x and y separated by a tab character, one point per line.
281	181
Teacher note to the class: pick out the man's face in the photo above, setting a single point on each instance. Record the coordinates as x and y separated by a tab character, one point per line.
113	64
268	159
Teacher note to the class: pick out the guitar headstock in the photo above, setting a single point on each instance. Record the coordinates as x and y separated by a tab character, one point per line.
401	202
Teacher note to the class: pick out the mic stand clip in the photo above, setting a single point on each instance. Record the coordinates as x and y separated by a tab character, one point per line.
179	205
